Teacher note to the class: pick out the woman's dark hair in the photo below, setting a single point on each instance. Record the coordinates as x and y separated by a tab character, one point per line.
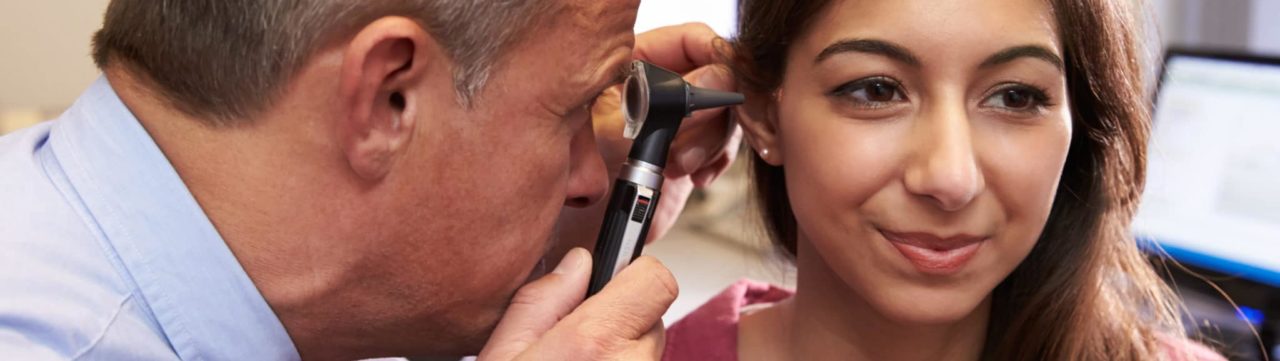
1085	292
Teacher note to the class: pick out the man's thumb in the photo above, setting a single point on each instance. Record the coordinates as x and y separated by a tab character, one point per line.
538	305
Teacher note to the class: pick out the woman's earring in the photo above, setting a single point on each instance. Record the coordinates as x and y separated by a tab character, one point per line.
764	153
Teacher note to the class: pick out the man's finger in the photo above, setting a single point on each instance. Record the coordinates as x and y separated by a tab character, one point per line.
628	307
650	346
717	77
675	194
537	307
703	136
710	171
679	48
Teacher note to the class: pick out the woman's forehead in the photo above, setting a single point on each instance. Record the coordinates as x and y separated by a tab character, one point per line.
934	29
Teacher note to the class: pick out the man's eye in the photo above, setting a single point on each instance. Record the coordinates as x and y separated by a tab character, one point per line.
875	92
1017	98
581	116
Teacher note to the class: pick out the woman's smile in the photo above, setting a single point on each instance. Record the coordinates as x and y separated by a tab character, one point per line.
932	254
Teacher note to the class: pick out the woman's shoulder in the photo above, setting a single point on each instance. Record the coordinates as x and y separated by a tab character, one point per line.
710	332
1175	348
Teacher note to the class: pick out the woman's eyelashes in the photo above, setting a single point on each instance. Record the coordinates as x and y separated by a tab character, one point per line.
1017	98
875	92
881	93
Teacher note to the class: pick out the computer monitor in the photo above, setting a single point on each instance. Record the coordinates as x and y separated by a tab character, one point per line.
1212	198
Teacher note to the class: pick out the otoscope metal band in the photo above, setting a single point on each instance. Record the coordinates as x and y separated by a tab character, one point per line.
642	173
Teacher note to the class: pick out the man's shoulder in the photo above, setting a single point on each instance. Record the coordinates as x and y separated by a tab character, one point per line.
62	289
39	219
38	206
128	333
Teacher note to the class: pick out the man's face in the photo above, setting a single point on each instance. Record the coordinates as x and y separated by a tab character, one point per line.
480	189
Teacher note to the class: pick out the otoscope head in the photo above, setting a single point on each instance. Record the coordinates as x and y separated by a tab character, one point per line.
703	98
655	101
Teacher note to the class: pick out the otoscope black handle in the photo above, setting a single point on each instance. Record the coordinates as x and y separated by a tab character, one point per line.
626	225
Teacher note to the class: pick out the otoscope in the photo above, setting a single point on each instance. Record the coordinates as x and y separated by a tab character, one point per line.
654	101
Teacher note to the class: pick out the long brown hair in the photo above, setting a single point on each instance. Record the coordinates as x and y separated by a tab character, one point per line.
1085	292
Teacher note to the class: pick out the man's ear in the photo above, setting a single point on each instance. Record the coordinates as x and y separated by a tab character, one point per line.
383	68
759	120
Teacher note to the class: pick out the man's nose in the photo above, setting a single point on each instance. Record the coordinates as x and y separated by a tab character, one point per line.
943	167
588	177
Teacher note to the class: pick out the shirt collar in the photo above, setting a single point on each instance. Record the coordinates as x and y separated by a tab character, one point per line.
201	296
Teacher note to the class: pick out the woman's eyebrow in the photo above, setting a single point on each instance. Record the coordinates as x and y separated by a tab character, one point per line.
869	46
1023	51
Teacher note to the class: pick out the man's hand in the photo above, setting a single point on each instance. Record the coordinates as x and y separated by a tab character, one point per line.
705	145
622	322
707	142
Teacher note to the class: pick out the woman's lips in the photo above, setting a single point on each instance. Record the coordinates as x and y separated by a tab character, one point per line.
935	255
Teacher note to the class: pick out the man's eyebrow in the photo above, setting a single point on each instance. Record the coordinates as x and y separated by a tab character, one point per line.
1023	51
615	76
869	46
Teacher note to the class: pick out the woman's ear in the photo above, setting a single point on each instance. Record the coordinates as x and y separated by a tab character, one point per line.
383	68
759	119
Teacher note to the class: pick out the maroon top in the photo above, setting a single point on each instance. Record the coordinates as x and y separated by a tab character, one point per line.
710	333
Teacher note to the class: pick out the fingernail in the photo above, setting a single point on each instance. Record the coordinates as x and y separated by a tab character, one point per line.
572	261
712	77
692	159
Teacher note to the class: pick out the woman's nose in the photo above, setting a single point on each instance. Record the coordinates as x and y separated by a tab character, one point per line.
943	167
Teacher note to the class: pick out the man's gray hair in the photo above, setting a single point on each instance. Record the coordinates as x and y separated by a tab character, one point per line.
224	60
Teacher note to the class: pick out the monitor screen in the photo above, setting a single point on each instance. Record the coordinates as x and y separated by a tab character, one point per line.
1213	184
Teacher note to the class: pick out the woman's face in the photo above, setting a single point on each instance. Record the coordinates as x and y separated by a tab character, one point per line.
922	142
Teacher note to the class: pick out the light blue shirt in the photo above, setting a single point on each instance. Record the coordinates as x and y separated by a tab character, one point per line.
105	255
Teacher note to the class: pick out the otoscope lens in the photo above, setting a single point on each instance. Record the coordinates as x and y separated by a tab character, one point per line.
635	95
634	100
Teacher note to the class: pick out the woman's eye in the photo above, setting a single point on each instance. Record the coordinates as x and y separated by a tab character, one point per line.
871	92
877	92
1020	98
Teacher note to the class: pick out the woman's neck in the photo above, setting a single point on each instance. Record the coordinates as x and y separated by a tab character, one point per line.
826	320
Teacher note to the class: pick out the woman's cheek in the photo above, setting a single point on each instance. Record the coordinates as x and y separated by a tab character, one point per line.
834	167
1023	169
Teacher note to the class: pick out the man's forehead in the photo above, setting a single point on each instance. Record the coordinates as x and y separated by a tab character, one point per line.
608	5
607	15
584	46
597	36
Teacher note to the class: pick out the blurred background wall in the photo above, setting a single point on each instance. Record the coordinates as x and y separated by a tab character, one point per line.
44	51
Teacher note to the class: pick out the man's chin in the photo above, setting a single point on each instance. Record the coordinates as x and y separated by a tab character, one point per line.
551	255
471	343
537	272
472	347
466	342
472	336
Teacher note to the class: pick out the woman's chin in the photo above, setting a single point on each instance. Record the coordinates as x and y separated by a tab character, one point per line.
929	306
